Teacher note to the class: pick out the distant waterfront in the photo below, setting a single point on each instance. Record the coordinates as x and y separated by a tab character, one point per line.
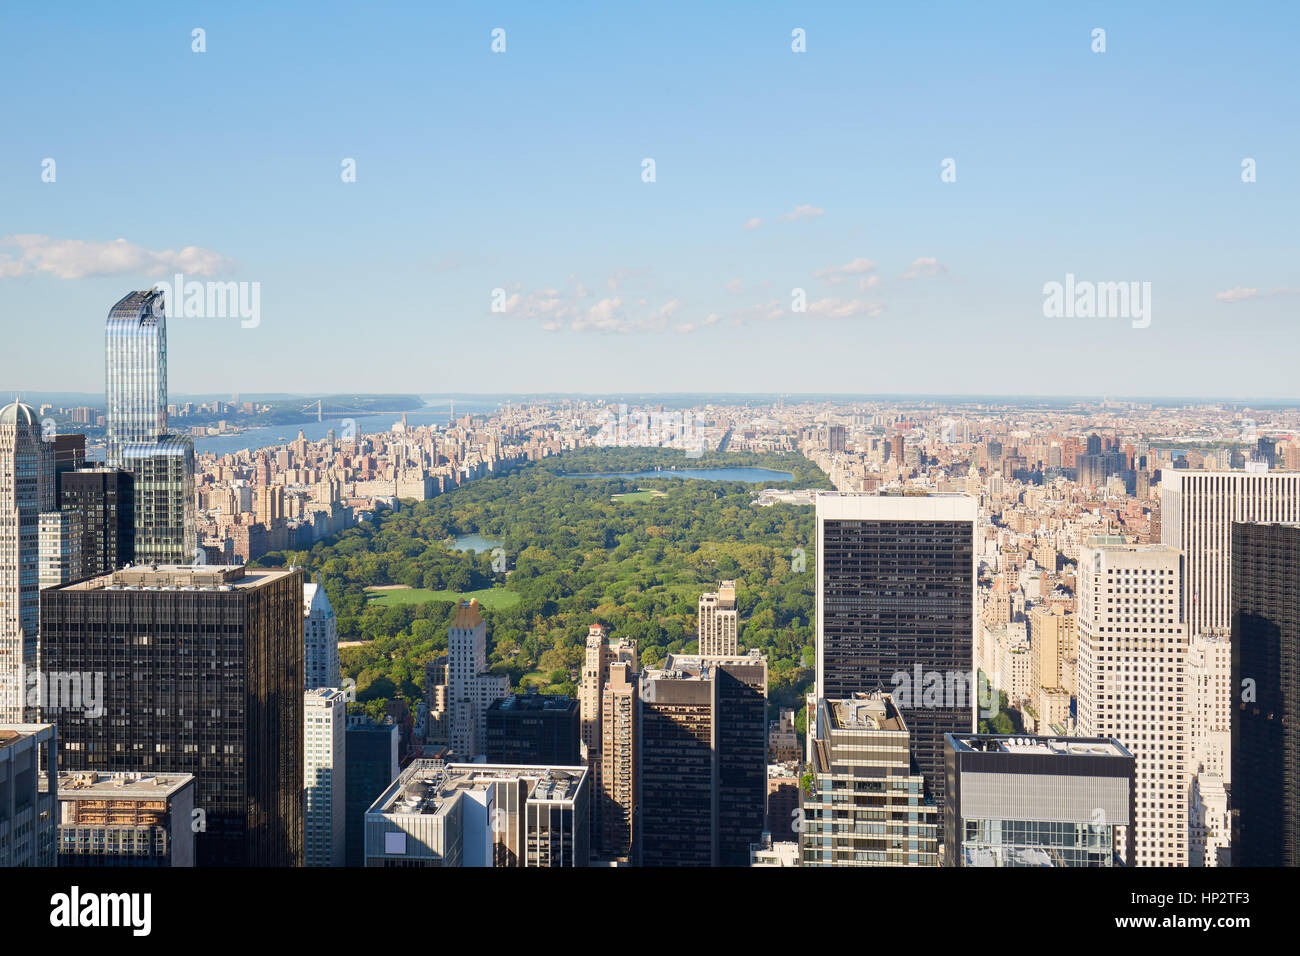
271	435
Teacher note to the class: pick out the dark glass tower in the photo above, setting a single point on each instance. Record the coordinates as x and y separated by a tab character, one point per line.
202	674
104	499
1266	685
896	611
537	729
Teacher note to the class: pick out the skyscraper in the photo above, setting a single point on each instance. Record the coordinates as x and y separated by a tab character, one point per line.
1132	681
26	490
1197	510
104	500
533	729
615	808
135	386
1266	694
470	688
370	751
896	599
866	804
202	674
718	622
703	760
320	638
325	715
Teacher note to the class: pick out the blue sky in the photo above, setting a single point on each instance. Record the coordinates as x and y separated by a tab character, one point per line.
522	171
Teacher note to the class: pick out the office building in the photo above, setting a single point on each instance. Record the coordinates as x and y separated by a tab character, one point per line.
1133	681
718	622
69	455
1265	706
1209	694
866	805
104	501
896	611
703	760
320	632
533	729
480	815
1197	511
370	753
470	689
202	670
1038	801
28	817
325	717
125	819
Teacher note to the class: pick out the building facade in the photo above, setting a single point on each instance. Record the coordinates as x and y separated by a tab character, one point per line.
202	674
1038	801
325	717
718	622
1133	681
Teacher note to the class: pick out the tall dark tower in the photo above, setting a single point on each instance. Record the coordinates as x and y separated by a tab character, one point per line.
896	609
1266	689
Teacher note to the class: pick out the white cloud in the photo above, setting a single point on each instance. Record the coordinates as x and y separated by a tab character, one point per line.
844	308
1241	294
927	267
83	258
753	223
837	274
803	212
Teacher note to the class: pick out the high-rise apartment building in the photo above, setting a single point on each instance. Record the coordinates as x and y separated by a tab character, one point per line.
104	501
896	599
325	717
202	674
1038	801
320	630
1265	705
718	622
59	548
1209	695
26	491
1133	681
703	760
1197	511
615	806
28	811
866	804
470	689
135	389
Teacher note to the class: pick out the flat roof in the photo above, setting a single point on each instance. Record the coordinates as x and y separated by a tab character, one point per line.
93	785
430	786
180	577
1033	745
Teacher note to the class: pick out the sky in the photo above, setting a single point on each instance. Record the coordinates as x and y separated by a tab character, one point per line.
503	232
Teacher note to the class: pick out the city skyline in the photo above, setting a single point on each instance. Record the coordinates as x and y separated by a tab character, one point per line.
775	170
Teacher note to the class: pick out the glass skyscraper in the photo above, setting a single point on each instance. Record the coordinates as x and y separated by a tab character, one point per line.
135	376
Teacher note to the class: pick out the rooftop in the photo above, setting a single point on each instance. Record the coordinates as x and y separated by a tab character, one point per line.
430	786
180	577
1030	745
92	785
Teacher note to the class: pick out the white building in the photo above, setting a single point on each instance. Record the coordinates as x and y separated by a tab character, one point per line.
470	689
59	547
325	717
320	631
1132	681
26	490
718	622
1197	510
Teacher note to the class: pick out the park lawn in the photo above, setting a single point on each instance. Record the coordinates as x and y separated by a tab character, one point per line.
641	494
494	599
